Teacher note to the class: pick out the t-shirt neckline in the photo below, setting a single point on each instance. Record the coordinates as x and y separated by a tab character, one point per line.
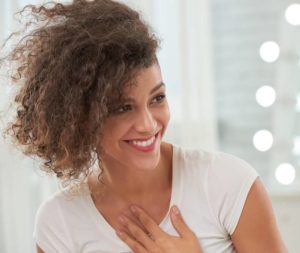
176	193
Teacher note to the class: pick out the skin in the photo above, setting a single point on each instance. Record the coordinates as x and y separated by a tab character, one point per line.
133	174
257	230
134	177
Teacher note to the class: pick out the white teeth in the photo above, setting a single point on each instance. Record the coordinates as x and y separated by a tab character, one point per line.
143	143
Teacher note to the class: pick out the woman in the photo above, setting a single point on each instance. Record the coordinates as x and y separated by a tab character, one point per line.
92	90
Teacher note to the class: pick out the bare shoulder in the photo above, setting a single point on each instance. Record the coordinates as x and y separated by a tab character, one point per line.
39	250
257	230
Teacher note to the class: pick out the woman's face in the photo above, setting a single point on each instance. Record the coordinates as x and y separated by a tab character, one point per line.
133	133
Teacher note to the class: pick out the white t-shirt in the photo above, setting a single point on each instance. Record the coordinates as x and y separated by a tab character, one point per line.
209	188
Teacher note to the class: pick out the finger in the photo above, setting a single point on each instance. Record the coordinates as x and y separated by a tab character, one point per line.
137	232
179	223
147	222
132	244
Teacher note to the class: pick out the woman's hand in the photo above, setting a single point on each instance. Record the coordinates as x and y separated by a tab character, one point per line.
157	241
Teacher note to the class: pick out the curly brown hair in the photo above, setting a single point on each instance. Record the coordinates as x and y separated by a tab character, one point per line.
72	69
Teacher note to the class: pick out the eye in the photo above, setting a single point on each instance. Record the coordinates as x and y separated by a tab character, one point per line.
159	98
123	108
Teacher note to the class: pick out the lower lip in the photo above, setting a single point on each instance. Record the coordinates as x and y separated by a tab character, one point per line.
145	149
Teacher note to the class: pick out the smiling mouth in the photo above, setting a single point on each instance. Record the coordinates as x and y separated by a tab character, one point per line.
143	145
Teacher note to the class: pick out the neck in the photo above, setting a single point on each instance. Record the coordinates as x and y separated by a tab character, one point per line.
138	186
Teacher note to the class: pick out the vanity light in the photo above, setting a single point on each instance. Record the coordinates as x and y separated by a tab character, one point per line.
292	14
269	51
263	140
265	96
285	174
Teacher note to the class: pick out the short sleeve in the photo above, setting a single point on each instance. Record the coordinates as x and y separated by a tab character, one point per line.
229	180
50	231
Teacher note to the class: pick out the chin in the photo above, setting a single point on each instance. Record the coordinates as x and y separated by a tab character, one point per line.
149	163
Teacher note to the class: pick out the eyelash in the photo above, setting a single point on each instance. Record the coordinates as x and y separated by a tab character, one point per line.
161	99
161	96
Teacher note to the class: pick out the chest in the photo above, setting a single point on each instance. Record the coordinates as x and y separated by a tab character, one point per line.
102	239
156	208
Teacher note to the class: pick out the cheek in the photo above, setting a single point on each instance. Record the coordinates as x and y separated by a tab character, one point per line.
165	114
108	136
109	141
114	130
162	117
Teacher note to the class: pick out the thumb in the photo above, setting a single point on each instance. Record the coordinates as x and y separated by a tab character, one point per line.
179	224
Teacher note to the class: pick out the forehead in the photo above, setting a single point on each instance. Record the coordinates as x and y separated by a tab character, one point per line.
145	80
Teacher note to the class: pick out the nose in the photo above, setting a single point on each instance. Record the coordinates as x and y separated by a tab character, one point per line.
145	122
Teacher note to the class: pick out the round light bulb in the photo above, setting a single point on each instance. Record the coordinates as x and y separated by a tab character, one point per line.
269	51
285	173
296	148
292	14
263	140
265	96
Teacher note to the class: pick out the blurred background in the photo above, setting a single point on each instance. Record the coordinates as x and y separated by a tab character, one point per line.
232	70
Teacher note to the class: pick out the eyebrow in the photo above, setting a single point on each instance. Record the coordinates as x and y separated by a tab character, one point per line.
157	87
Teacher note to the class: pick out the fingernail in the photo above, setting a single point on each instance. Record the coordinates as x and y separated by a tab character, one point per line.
133	209
175	210
120	233
122	218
